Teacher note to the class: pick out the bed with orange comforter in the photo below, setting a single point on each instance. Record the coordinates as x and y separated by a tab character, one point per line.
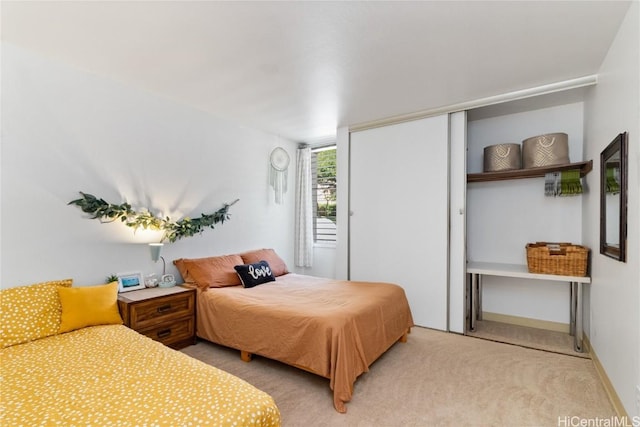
335	329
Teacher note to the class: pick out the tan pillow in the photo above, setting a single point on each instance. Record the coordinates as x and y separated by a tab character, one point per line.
277	265
211	272
179	263
31	312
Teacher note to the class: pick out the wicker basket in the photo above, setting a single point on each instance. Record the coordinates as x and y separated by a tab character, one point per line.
502	157
563	259
545	150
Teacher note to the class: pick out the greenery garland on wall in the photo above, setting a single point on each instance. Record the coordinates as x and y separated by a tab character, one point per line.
186	227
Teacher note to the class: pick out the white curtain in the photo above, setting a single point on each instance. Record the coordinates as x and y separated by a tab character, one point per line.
304	209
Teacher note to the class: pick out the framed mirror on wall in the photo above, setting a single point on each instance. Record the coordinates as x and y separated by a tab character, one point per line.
613	199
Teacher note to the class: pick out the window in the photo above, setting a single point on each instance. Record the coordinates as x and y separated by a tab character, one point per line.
323	189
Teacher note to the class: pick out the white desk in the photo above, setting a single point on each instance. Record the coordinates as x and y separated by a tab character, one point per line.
478	269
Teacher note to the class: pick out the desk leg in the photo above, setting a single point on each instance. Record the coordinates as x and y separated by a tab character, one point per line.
479	297
572	309
578	336
474	301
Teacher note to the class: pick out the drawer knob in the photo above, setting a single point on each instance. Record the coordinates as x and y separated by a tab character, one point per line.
164	308
164	333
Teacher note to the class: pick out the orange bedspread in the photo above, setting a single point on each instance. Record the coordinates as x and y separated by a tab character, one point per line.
332	328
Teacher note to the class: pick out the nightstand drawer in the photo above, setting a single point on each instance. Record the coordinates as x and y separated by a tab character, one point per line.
158	310
167	315
171	333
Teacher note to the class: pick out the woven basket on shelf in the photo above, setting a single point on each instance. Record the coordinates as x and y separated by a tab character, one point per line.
563	259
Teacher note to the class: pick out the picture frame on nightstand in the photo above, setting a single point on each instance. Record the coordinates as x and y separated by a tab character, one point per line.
130	281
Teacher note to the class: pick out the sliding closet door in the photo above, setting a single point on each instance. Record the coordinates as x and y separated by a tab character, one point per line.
457	220
398	229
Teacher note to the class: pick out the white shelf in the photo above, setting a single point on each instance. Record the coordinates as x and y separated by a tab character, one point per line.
519	271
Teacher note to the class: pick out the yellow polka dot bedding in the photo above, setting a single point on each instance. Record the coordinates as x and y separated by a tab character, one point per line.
110	375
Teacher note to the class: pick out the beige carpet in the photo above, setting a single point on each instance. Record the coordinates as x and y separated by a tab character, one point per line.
435	379
540	339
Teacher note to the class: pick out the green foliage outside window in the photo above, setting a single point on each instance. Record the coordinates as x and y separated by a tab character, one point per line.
326	175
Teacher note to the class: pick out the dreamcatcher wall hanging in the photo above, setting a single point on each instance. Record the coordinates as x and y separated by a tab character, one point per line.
279	160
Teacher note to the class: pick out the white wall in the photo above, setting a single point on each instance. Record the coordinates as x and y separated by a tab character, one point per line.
503	216
65	131
324	262
613	106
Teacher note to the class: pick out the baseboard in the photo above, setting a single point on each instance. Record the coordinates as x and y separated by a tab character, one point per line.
525	321
604	379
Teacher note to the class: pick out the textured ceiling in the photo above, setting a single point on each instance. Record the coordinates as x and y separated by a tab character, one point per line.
301	69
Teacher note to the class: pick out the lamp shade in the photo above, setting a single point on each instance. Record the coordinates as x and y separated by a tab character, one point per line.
155	250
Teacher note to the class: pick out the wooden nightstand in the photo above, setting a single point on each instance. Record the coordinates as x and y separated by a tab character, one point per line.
167	315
